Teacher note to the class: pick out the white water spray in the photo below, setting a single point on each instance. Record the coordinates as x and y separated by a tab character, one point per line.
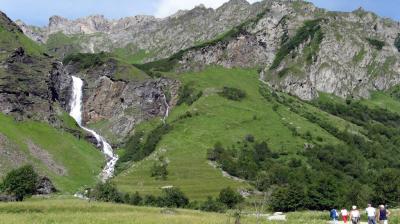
76	113
166	109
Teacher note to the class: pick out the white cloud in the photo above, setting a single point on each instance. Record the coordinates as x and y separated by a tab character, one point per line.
168	7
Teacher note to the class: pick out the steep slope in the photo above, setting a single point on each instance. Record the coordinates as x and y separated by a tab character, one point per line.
117	95
310	146
34	92
71	163
303	50
32	84
212	118
140	35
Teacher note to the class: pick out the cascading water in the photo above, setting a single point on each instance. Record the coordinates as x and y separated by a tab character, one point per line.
76	113
166	109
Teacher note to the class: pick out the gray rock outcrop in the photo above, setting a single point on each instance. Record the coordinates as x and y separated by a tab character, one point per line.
45	186
159	37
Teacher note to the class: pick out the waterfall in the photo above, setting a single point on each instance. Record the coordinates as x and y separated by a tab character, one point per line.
76	113
166	109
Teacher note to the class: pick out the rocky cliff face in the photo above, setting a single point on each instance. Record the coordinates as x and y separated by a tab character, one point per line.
342	57
115	106
32	84
159	37
117	96
349	55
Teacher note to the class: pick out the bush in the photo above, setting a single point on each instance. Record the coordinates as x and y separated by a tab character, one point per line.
211	205
289	198
397	42
153	139
233	93
106	192
137	150
151	200
87	60
174	197
230	197
159	169
136	199
378	44
188	95
387	186
21	182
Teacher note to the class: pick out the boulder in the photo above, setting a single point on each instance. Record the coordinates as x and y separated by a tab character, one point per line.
7	198
45	186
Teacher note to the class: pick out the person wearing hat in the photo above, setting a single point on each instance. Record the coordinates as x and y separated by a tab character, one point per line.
383	215
355	215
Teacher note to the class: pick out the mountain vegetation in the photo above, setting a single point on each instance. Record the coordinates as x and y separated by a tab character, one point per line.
242	110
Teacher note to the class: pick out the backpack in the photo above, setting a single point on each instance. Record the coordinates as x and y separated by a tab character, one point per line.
334	214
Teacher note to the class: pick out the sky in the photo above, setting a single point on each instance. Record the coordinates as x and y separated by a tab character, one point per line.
37	12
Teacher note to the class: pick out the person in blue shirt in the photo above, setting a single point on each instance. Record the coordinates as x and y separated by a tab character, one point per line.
334	216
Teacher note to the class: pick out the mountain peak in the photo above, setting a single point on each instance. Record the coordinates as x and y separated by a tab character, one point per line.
8	24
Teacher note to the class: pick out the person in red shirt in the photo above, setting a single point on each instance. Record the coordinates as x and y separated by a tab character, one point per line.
345	215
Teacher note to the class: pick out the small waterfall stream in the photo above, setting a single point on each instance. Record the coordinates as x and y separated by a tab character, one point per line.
166	109
76	113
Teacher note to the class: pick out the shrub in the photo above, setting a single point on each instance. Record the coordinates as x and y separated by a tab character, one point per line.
132	147
174	197
230	197
21	182
233	93
151	200
154	138
106	192
249	138
87	60
387	186
397	42
188	95
136	150
159	169
135	199
289	198
378	44
211	205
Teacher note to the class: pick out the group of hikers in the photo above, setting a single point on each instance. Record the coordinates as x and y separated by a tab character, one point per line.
381	215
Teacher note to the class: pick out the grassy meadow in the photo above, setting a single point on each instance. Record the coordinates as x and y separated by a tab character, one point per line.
73	211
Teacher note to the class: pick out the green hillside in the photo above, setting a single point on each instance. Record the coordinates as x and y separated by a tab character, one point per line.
327	142
71	163
212	118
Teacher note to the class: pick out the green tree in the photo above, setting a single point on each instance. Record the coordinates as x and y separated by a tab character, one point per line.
159	169
387	187
211	205
106	192
21	182
174	197
289	198
136	199
230	197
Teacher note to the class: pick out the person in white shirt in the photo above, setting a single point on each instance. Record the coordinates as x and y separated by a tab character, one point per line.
355	215
371	212
345	215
